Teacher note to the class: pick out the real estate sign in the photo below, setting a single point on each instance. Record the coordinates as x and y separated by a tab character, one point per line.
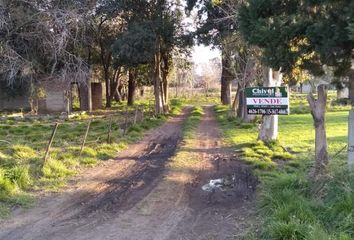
267	100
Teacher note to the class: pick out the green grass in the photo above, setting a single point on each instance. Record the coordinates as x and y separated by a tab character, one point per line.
291	204
299	104
186	160
192	121
22	169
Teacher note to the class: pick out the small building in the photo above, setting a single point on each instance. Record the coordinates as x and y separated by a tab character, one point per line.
57	97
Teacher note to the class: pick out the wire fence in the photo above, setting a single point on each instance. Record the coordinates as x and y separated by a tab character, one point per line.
61	134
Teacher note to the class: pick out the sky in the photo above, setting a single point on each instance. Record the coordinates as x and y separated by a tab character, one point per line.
202	54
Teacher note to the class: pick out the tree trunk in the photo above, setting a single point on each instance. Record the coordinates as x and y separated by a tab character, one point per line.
162	94
114	93
269	128
241	104
351	87
318	110
106	63
120	92
157	78
165	94
117	97
165	90
235	102
242	108
165	72
108	95
226	78
131	87
84	89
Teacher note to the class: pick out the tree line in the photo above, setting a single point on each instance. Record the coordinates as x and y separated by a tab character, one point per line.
262	42
73	41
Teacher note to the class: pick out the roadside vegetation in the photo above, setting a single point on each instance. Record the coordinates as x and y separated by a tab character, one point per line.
291	204
23	172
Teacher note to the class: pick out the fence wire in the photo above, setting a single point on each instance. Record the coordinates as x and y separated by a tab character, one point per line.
102	130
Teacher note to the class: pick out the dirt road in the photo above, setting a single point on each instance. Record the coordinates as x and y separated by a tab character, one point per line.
141	195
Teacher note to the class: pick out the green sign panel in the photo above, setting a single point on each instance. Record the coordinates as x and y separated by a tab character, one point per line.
267	100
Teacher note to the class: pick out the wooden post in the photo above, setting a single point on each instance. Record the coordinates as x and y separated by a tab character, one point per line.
318	110
50	142
109	130
84	140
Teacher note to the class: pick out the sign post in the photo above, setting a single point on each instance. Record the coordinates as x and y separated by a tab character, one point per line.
267	100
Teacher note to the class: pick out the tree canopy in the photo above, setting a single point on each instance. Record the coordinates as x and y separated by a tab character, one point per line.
308	34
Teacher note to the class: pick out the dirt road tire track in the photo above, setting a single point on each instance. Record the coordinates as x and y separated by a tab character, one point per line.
217	215
135	197
102	192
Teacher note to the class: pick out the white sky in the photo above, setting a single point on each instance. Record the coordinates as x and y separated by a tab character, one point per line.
202	54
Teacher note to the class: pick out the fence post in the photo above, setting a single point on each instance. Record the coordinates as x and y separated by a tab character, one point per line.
86	133
50	142
109	130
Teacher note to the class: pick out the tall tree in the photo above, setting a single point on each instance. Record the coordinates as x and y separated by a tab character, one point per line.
151	34
215	27
305	34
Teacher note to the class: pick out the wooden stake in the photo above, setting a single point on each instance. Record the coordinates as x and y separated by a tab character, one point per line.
84	140
50	141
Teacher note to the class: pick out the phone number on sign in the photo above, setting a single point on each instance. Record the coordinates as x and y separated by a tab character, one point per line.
268	111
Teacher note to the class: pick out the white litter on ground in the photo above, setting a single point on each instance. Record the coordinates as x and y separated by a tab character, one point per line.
213	184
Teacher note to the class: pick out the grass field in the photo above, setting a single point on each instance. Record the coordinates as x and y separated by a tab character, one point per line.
22	148
291	205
